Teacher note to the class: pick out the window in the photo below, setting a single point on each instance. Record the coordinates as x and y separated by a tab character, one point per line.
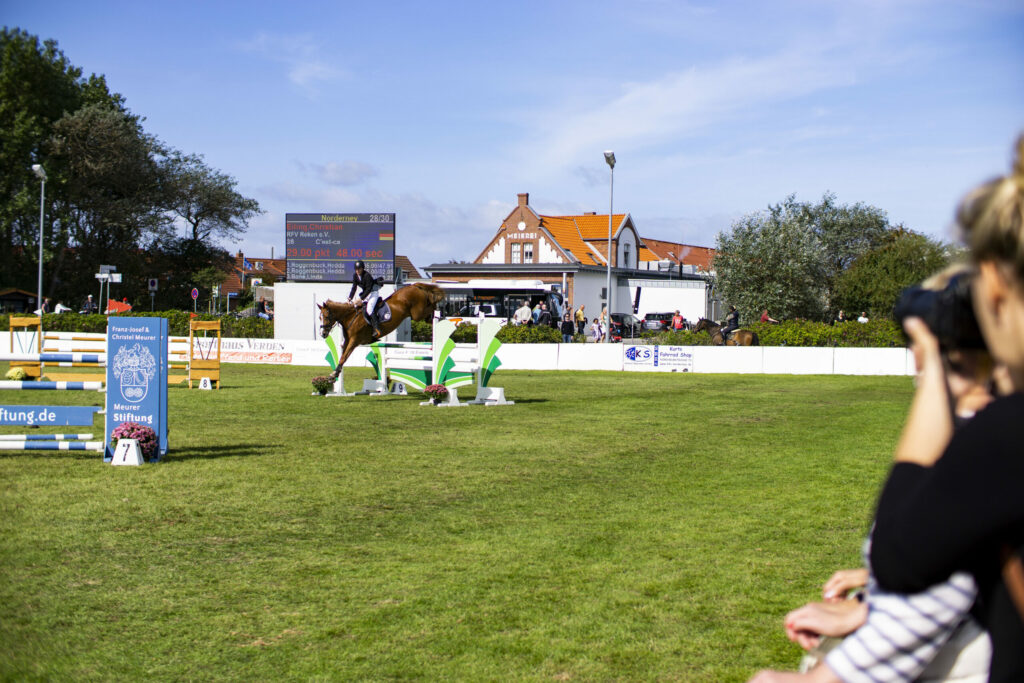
527	252
625	255
517	252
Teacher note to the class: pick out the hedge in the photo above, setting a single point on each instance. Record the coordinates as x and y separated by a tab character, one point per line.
877	333
509	334
177	323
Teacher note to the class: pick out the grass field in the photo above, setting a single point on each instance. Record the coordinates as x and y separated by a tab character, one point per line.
608	526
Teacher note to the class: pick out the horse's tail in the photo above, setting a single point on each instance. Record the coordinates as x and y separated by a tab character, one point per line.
755	341
434	294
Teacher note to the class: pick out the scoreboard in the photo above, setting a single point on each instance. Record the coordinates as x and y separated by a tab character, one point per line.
323	247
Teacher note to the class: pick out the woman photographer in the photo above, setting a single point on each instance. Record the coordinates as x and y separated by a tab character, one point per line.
956	502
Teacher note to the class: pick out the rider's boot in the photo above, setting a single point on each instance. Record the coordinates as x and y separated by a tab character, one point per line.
375	325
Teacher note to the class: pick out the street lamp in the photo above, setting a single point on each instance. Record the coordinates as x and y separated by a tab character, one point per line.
41	174
609	157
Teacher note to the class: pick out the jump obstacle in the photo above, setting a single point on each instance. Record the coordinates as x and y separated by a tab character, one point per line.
419	364
198	356
140	357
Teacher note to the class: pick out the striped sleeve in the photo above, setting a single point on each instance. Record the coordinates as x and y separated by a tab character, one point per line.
903	633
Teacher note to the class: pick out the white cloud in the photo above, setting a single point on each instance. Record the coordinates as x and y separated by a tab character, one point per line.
346	173
682	103
306	66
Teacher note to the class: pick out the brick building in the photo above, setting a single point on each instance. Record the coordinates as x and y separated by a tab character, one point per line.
571	253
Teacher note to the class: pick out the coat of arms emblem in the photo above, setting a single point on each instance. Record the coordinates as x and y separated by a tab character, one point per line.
134	367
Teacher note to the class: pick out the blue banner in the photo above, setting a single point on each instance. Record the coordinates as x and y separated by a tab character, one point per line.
137	376
47	416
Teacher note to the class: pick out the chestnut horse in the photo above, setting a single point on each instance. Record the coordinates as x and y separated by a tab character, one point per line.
739	337
417	301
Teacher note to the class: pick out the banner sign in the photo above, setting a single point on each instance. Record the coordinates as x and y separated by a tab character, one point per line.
137	376
657	358
323	247
47	416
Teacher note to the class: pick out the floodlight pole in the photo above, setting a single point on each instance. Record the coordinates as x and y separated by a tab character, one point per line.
41	174
609	158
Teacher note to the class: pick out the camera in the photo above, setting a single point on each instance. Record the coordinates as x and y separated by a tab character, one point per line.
948	313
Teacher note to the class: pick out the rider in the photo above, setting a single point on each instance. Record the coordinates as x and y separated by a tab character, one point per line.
369	292
732	322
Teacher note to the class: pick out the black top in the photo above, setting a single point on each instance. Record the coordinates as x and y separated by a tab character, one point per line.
733	319
960	514
365	282
544	318
568	327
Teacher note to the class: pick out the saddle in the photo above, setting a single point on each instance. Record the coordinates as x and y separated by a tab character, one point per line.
383	312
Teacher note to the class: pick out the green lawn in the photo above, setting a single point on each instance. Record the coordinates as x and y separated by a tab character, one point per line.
608	526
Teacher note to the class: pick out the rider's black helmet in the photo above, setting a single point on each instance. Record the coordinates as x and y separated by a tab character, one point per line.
360	264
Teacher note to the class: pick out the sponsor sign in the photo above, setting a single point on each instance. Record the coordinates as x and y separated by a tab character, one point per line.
658	358
137	376
47	416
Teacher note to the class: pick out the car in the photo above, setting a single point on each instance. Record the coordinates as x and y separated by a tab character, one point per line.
625	325
657	322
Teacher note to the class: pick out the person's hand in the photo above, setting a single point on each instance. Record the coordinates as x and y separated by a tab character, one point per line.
842	582
806	625
924	345
930	423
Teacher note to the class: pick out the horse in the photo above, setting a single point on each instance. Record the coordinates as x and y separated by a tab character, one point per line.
738	338
416	301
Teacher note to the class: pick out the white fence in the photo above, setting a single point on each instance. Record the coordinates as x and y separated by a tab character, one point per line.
782	360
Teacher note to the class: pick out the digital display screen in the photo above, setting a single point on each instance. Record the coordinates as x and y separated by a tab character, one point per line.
323	247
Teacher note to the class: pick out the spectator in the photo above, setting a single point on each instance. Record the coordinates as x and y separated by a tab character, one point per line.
952	500
927	636
581	320
522	314
841	318
89	307
863	317
678	321
765	318
567	329
544	318
45	308
262	310
596	331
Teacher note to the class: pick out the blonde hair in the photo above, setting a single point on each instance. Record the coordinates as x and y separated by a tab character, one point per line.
991	218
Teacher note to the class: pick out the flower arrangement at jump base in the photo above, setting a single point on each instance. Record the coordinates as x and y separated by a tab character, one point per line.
436	392
322	384
17	375
141	433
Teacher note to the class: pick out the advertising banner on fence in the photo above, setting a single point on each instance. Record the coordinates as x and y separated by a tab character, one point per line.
657	358
137	376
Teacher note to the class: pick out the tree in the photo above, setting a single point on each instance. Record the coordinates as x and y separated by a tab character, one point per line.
206	199
771	260
37	86
114	193
787	259
874	281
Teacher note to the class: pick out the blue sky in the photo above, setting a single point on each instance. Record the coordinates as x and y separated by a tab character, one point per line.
442	112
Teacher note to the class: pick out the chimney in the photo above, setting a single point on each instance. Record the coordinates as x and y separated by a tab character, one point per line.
590	213
524	198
